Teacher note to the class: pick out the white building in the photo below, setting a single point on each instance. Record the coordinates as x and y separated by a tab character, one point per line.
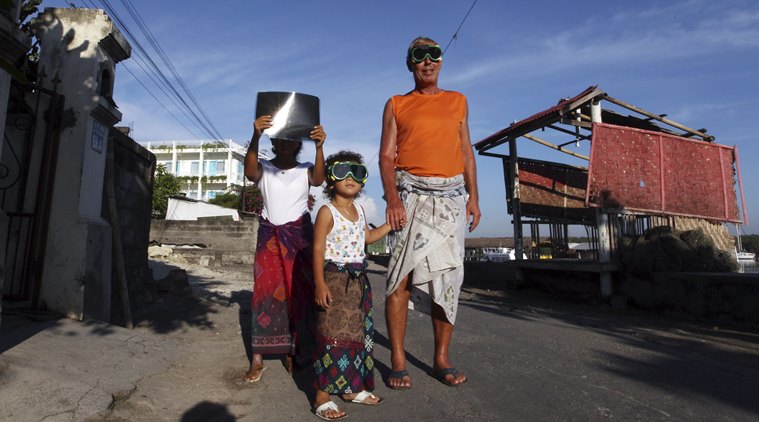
205	168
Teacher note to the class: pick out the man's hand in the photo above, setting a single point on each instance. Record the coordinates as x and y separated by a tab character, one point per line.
473	212
395	213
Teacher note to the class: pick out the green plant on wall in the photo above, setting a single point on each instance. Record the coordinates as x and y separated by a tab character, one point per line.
165	185
213	146
253	201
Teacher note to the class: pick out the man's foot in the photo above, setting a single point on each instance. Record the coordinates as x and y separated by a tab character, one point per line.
364	397
254	373
329	411
449	376
399	380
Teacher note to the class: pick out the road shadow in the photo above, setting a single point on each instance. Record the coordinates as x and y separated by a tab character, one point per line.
18	325
681	355
384	369
174	304
208	411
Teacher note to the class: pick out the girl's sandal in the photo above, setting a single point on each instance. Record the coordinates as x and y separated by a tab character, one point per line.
249	378
326	407
363	396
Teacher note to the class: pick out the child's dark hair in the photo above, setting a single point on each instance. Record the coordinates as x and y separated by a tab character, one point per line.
297	151
343	155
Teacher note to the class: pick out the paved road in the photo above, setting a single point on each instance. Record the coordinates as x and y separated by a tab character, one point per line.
528	357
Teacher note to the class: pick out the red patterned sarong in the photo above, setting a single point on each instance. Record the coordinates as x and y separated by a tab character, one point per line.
283	309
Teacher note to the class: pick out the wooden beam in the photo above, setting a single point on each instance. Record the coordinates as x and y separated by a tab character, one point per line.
568	132
580	123
556	147
695	132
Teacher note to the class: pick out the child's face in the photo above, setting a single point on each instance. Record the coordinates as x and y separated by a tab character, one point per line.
348	187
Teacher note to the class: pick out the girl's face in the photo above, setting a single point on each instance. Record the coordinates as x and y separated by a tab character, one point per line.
347	187
286	148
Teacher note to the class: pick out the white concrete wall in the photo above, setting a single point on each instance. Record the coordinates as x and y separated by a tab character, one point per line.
76	45
190	211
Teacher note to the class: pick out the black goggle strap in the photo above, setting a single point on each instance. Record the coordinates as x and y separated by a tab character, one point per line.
433	52
342	169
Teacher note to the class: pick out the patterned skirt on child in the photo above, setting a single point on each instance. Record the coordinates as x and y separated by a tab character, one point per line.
345	332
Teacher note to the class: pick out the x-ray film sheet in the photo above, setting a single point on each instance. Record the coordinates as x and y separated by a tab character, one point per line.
294	114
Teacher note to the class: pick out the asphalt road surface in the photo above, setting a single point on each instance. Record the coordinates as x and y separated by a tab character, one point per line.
528	358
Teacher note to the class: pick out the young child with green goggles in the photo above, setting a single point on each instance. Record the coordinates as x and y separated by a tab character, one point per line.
344	326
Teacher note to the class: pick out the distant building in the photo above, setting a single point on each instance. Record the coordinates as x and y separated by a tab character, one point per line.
206	168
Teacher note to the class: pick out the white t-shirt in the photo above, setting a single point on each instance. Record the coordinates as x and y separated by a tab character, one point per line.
347	240
284	192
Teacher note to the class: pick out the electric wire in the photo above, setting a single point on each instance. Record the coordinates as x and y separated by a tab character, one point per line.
159	102
456	34
169	64
157	69
149	67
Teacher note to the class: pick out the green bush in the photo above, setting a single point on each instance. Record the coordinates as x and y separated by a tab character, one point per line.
165	185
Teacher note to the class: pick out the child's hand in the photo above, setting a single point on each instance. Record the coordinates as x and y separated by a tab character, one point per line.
262	123
323	296
319	136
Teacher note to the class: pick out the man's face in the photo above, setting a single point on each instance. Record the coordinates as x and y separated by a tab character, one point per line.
427	71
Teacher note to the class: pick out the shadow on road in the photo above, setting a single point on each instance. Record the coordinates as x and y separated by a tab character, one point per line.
681	356
208	411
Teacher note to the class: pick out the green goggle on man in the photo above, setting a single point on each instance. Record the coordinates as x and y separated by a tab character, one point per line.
421	52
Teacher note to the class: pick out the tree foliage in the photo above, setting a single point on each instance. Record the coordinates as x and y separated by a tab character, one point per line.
232	199
750	242
165	185
229	199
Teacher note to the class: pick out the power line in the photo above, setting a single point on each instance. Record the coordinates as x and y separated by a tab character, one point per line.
158	72
149	67
157	47
159	102
456	34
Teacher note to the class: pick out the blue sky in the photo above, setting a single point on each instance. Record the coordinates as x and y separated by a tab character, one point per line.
695	60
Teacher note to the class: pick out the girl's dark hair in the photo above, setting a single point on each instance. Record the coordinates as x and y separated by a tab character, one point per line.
343	155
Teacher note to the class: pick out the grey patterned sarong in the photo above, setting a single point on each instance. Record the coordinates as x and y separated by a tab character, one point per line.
432	244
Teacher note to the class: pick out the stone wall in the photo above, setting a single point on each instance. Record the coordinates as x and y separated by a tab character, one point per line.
133	181
213	241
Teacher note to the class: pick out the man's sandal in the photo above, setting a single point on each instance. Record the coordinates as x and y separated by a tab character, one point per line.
440	375
326	407
399	375
361	398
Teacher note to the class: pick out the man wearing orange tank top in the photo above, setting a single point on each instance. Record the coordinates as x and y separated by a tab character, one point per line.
428	171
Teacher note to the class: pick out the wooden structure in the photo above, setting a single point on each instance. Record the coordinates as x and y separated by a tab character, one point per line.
644	170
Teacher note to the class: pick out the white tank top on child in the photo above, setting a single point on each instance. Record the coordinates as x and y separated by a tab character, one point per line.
346	241
284	192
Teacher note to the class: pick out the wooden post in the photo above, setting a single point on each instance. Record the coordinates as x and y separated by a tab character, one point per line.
604	251
117	250
515	207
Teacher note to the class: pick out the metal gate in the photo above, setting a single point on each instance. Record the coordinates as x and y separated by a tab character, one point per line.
26	186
